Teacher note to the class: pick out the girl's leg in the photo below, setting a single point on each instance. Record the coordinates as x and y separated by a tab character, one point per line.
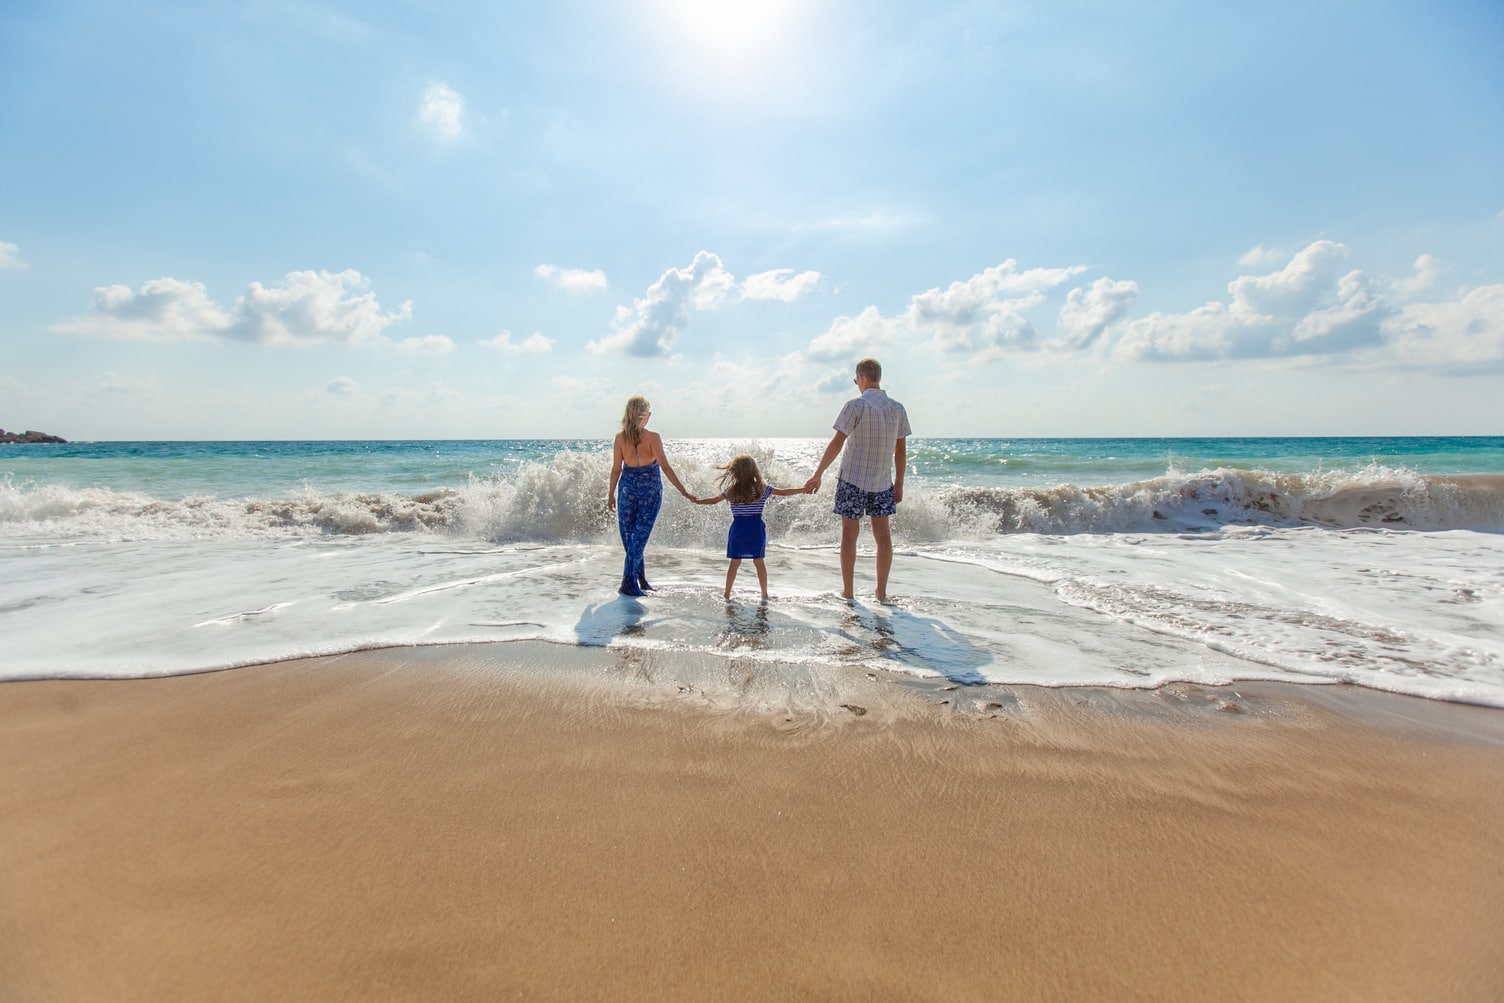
731	576
762	576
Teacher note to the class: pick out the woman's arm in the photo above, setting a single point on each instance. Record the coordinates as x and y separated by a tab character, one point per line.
616	459
668	468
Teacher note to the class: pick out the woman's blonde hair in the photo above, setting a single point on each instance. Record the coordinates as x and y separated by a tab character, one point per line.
741	481
633	417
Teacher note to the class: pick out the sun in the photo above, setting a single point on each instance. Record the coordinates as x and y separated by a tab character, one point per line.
730	30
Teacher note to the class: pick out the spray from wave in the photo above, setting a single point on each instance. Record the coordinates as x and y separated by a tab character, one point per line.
563	499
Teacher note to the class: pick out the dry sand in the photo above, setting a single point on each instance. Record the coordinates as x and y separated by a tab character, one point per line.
406	825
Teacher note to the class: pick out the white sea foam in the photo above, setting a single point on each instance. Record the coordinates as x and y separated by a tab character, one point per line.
564	500
1380	577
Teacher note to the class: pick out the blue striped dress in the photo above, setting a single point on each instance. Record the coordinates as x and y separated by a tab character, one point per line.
748	538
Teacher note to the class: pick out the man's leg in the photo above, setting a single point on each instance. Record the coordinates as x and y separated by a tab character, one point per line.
884	541
849	530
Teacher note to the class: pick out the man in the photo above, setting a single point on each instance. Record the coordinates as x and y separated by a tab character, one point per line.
872	428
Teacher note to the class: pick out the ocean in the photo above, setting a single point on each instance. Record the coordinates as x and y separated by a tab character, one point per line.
1126	563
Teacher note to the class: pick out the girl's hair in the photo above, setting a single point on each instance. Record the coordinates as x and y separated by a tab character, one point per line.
633	417
741	481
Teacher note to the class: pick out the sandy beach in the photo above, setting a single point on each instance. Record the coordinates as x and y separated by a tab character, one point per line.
445	824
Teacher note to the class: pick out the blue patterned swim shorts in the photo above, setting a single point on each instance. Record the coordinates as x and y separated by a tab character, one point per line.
853	503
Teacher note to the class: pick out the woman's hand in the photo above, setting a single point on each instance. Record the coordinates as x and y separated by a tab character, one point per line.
610	503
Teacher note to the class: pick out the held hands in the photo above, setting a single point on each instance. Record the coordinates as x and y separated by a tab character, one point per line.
812	485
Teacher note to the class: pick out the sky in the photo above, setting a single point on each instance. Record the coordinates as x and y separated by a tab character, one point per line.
500	220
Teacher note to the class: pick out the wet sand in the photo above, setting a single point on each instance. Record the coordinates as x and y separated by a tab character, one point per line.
431	825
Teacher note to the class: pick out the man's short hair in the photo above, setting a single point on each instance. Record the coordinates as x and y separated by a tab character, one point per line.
870	369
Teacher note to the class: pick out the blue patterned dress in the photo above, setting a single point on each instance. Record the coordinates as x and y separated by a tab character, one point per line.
639	495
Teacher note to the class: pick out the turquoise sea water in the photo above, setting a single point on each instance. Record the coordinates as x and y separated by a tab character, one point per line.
257	469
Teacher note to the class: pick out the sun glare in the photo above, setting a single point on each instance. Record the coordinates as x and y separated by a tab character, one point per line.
730	30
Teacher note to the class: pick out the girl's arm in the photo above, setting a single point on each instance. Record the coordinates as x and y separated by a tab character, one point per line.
668	468
784	492
712	500
616	460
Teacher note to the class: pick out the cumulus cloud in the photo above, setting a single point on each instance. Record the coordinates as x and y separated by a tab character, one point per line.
1088	313
533	343
572	280
1422	278
10	256
342	386
1465	334
1304	308
779	284
653	323
441	111
428	344
305	307
1261	257
853	337
833	382
988	311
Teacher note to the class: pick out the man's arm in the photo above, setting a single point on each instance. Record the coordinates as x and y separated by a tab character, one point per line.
900	460
831	452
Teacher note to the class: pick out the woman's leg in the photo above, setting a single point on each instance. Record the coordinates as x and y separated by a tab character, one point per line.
646	493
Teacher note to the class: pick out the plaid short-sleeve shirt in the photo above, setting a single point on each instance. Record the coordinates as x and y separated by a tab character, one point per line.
873	424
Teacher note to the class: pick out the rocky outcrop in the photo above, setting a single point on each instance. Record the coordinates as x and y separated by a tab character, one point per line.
29	436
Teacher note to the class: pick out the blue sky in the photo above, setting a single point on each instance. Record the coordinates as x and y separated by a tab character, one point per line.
301	220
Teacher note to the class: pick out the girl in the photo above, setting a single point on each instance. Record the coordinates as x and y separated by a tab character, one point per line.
743	487
636	459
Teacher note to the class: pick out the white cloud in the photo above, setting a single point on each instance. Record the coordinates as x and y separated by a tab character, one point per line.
779	284
1088	313
853	338
164	309
1421	280
572	280
342	386
988	311
1466	333
1302	309
1261	257
1292	290
534	343
10	256
653	323
428	344
834	382
305	307
442	111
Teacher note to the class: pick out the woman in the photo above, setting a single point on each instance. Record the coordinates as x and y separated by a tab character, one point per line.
636	460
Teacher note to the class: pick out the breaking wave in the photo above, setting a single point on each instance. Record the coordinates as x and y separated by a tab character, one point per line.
564	499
